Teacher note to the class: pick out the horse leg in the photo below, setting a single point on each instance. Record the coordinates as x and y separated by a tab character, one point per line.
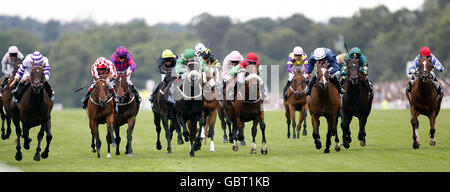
241	136
165	123
212	123
432	118
305	114
18	134
288	121
40	136
301	120
3	121
8	125
345	126
294	124
129	148
48	139
262	126
197	141
156	121
94	132
337	145
362	130
118	139
224	125
254	131
236	126
182	122
192	131
415	126
330	122
26	135
316	123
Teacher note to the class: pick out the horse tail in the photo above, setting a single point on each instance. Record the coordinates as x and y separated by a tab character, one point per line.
408	96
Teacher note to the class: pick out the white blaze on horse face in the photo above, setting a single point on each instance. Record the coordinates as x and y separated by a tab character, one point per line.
424	65
323	74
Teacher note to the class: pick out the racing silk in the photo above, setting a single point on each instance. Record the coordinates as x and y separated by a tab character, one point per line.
180	66
26	66
291	61
128	64
111	71
242	65
363	64
435	63
227	65
332	63
8	65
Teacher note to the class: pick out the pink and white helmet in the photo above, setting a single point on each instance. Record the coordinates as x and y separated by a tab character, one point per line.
235	56
298	50
13	49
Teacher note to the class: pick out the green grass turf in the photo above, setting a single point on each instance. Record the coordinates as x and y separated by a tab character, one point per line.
389	148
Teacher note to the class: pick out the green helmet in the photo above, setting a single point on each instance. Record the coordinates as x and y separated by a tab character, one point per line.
189	53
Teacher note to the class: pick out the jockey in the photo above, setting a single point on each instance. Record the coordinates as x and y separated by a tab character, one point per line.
435	64
252	59
320	55
124	63
166	62
12	55
340	58
208	57
180	67
102	69
231	60
356	53
23	74
296	58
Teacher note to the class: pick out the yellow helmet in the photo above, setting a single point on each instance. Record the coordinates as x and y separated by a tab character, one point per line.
167	54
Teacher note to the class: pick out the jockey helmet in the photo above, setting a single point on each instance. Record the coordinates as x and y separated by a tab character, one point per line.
121	51
298	50
425	51
252	57
13	49
188	54
319	54
37	57
167	54
235	56
199	47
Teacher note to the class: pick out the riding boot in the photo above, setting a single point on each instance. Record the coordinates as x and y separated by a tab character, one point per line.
136	94
84	101
311	83
2	87
338	85
410	84
155	92
115	102
285	90
18	92
49	91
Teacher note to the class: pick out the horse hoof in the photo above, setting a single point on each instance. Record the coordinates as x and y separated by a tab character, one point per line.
326	150
362	143
192	154
305	133
3	137
37	157
180	142
18	156
235	148
26	145
318	145
158	145
294	136
225	140
169	151
337	147
130	155
109	155
242	143
44	154
264	151
253	151
432	143
114	144
94	150
416	145
346	145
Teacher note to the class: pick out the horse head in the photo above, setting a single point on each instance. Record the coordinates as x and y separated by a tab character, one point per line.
101	92
37	78
252	80
322	73
298	83
194	71
424	69
121	87
210	78
353	71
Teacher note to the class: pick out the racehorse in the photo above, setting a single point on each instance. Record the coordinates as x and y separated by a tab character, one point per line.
100	110
424	100
35	109
189	103
247	108
296	101
324	101
6	102
357	102
163	111
127	111
210	104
